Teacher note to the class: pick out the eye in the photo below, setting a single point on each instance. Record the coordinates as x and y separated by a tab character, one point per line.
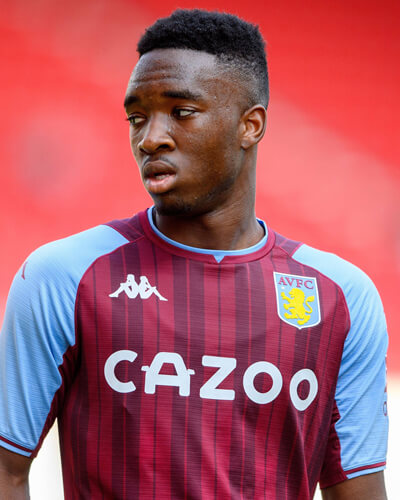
183	112
135	119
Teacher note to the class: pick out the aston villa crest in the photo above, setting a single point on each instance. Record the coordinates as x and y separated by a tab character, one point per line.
297	300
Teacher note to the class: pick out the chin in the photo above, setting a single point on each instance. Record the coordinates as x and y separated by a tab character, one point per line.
198	205
177	208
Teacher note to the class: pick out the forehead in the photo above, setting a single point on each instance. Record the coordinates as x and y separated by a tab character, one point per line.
176	68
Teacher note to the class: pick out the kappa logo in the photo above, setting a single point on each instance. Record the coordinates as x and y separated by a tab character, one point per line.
133	289
297	300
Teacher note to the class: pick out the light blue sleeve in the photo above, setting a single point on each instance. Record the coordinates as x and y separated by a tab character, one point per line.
38	329
361	387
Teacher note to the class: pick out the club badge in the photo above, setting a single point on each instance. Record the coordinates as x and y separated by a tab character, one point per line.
297	300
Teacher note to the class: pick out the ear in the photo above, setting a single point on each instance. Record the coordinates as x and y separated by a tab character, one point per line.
252	127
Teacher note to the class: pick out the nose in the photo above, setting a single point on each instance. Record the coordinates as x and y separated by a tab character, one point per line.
156	136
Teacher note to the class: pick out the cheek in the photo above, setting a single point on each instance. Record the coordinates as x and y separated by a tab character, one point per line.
132	138
133	141
221	151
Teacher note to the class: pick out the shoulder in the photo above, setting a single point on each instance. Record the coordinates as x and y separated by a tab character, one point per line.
43	294
71	256
361	298
353	283
350	278
367	318
47	282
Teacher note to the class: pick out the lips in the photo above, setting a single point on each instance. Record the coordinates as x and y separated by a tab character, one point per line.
158	176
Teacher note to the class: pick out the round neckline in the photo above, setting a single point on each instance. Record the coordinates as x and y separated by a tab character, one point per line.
216	256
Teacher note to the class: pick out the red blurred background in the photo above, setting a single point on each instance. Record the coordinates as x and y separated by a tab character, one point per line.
329	167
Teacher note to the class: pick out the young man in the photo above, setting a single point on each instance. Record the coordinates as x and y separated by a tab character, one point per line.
190	351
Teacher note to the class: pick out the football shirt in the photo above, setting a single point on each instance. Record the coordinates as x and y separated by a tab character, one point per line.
178	372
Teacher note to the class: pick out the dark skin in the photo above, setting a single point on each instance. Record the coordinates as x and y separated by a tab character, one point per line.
194	135
190	121
14	471
367	487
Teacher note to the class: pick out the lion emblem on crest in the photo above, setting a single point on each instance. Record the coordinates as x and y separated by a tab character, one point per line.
298	305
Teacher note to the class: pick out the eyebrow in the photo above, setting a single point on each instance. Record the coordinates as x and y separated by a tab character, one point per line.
130	99
182	94
174	94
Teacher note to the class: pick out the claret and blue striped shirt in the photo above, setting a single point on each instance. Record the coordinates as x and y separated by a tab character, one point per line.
177	372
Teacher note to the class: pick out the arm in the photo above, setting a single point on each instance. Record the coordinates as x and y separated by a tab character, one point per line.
357	441
367	487
14	470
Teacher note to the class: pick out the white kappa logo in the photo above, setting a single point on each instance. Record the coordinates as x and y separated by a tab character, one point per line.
133	289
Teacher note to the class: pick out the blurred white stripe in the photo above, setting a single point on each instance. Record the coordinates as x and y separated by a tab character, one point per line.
46	480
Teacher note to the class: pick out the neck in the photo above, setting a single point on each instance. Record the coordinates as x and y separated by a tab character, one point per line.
228	228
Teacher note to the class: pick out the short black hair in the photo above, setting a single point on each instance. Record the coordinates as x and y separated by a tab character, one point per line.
235	42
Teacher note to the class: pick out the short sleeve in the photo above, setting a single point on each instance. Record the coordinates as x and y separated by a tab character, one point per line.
357	442
361	400
37	340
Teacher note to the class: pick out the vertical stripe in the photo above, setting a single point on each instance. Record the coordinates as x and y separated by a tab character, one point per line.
270	451
158	336
101	344
247	468
124	337
179	407
318	445
196	351
322	345
82	413
293	449
99	376
65	428
118	335
241	335
224	326
155	444
219	298
133	340
291	418
127	326
208	406
185	450
164	342
255	441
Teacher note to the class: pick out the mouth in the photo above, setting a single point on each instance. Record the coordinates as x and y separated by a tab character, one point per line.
158	176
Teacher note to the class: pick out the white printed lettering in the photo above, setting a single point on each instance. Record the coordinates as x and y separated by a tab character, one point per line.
305	374
154	377
210	389
248	382
109	370
226	366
